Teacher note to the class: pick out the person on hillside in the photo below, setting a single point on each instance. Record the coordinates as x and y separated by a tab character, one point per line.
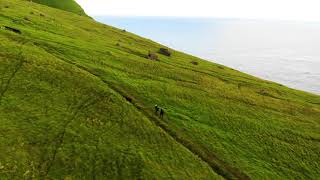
161	113
156	108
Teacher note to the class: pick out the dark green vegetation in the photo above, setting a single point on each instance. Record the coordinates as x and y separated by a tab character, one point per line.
77	98
66	5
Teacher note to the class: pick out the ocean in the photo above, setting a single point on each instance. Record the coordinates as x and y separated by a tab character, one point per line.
286	52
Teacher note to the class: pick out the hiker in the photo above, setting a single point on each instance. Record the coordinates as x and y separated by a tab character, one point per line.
161	113
156	108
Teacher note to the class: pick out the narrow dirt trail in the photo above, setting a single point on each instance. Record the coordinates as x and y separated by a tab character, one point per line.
217	165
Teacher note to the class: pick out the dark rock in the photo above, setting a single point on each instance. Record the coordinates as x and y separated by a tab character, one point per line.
12	29
165	52
129	99
194	62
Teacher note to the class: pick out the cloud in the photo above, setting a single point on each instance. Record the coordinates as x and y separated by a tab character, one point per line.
255	9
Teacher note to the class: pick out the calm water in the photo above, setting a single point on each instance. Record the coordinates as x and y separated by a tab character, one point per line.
284	52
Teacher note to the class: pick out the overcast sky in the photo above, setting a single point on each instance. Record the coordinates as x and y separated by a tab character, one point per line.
308	10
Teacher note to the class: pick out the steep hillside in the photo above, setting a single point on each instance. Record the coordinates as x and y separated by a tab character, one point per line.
77	101
66	5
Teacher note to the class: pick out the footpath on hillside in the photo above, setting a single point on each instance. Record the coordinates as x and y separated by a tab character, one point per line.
215	163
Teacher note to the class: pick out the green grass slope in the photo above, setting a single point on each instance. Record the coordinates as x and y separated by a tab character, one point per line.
77	98
66	5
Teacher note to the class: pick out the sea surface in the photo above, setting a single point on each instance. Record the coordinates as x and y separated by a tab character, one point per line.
281	51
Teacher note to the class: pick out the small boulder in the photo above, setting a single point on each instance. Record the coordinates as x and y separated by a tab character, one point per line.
165	52
129	99
12	29
26	18
194	63
153	56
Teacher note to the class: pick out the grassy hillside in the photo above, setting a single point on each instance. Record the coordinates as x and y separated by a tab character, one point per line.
77	102
66	5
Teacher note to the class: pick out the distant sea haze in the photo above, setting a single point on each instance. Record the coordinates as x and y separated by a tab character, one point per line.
280	51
